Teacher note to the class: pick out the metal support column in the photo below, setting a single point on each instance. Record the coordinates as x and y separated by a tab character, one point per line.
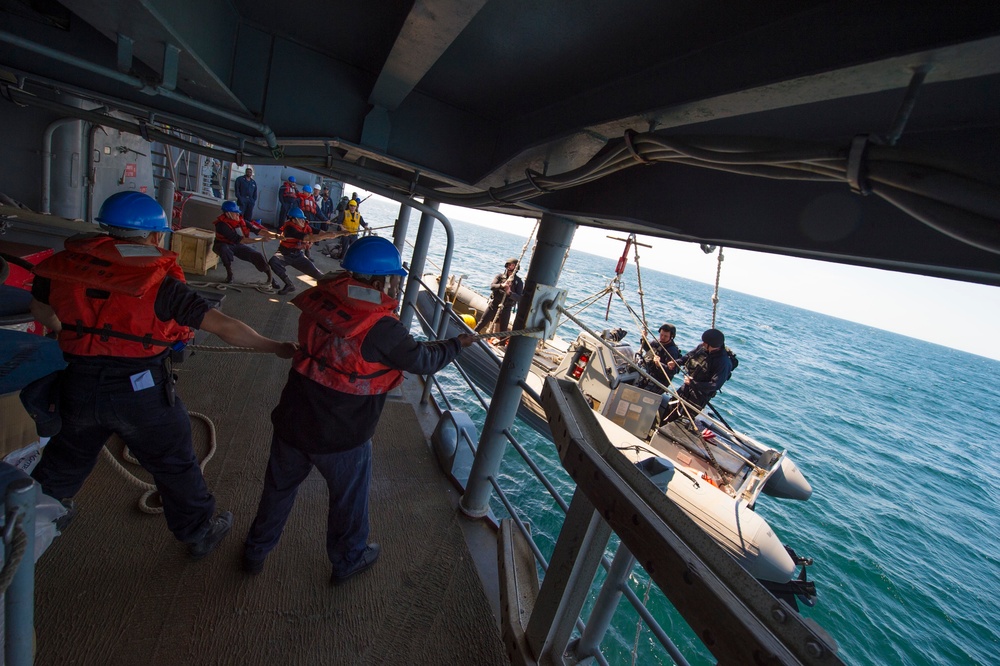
19	606
555	234
417	262
578	552
402	227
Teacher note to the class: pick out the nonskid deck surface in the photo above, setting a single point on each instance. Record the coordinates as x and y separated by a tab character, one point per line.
118	589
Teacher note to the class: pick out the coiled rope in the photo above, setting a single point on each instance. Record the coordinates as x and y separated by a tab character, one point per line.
149	488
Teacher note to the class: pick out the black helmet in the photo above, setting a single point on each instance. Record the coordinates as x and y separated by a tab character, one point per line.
713	337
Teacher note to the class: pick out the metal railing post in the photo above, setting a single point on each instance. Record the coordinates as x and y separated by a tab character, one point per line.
607	602
19	604
555	234
442	333
417	262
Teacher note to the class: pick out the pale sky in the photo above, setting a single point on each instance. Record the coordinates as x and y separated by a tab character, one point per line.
955	314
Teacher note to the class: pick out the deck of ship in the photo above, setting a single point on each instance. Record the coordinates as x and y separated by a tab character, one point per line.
118	589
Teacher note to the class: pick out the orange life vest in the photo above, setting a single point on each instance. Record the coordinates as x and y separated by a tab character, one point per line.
307	203
239	225
104	290
336	316
294	243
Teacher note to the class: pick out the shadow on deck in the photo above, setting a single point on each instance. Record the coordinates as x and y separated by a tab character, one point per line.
118	589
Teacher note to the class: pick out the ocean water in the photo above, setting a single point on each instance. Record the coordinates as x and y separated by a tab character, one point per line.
899	438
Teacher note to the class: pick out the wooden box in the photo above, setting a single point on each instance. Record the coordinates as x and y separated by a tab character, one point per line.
194	250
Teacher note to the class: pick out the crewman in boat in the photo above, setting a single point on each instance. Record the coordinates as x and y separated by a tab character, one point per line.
505	292
708	367
232	235
119	305
657	354
296	237
353	351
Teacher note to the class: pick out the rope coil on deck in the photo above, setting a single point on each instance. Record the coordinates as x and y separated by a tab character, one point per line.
149	488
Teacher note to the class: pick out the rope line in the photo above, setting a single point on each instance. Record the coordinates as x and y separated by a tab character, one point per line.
715	296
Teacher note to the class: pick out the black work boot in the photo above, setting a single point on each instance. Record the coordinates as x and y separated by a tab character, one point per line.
288	288
229	275
218	528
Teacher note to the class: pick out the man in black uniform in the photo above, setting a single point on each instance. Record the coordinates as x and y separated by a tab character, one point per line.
246	194
352	352
657	354
119	304
708	368
506	291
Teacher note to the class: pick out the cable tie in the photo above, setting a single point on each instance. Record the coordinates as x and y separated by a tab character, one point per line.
529	174
856	176
629	137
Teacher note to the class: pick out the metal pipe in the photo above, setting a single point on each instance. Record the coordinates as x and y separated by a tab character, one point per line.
417	262
135	82
19	601
555	234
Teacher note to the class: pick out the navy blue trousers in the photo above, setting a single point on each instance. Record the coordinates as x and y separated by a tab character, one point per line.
296	259
98	401
348	477
227	251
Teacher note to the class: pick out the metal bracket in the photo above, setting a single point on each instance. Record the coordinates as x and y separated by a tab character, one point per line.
124	53
171	57
544	312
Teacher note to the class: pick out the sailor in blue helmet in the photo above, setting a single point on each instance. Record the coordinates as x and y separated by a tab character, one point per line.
288	198
232	238
352	351
708	367
119	304
296	237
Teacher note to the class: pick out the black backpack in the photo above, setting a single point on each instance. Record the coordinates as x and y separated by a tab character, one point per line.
732	359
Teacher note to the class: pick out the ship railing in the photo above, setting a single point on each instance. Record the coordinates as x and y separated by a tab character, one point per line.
616	582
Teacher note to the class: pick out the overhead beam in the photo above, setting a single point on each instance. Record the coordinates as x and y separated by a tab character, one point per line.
429	30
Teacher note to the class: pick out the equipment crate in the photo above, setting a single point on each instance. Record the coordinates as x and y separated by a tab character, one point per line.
194	250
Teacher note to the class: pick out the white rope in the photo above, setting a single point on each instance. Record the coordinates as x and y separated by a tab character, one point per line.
149	488
715	296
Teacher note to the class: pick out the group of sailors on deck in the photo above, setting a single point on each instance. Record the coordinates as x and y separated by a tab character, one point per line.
118	305
234	231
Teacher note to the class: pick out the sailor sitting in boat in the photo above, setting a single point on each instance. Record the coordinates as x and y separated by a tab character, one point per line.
708	367
657	354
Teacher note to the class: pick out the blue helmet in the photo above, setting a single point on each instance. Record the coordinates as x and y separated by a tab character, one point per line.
373	255
308	189
230	207
296	212
133	211
291	179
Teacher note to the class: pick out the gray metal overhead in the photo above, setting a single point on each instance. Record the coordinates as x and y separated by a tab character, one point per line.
449	98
